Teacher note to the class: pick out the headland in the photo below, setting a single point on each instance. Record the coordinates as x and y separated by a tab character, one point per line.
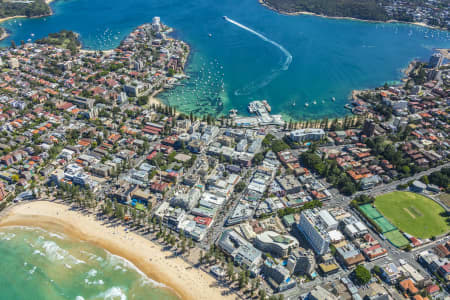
372	13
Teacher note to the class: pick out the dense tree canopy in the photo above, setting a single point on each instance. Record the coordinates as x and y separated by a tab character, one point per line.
362	9
31	9
362	275
440	178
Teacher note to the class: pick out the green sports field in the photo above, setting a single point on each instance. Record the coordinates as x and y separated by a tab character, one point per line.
413	214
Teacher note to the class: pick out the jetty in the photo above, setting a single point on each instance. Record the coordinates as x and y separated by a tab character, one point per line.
261	109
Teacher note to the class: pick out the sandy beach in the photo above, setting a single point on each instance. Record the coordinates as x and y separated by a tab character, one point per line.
188	283
10	18
22	17
105	52
153	99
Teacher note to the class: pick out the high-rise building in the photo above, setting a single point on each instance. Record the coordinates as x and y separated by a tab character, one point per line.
315	225
369	127
301	262
435	60
156	24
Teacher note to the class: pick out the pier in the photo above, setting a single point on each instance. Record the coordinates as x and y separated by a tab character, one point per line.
261	109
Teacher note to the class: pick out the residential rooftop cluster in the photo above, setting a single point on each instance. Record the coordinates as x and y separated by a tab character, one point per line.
431	12
268	202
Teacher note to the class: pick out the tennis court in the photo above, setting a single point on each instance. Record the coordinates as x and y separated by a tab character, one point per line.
397	238
384	224
370	211
389	230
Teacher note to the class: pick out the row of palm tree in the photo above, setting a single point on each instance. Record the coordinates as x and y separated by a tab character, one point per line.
248	286
178	241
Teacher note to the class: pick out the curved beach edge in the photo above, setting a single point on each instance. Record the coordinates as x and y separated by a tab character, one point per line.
186	282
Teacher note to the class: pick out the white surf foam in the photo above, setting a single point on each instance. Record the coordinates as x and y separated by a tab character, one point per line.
113	293
56	235
117	268
94	282
118	260
53	251
76	260
37	252
32	270
6	236
92	272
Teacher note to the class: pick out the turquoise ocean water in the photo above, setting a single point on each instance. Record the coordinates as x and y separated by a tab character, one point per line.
41	265
233	64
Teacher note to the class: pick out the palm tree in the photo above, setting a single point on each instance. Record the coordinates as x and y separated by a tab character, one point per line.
200	259
230	270
253	288
262	294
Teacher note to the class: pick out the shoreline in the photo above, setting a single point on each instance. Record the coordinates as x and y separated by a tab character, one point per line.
178	276
282	12
4	36
153	98
12	17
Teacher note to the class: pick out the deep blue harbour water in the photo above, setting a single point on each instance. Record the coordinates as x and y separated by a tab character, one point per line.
329	57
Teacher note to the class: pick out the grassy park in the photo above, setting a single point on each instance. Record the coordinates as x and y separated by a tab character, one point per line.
413	214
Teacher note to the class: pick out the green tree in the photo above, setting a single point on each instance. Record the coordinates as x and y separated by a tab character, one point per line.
230	270
362	275
142	101
262	294
240	186
15	178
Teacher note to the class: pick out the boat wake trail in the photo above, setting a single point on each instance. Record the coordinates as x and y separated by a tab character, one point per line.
257	85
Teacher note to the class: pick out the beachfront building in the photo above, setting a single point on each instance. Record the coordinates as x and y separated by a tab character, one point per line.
307	134
315	225
275	243
187	201
436	60
240	249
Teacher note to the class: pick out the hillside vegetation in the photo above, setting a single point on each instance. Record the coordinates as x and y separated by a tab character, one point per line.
30	8
360	9
64	39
